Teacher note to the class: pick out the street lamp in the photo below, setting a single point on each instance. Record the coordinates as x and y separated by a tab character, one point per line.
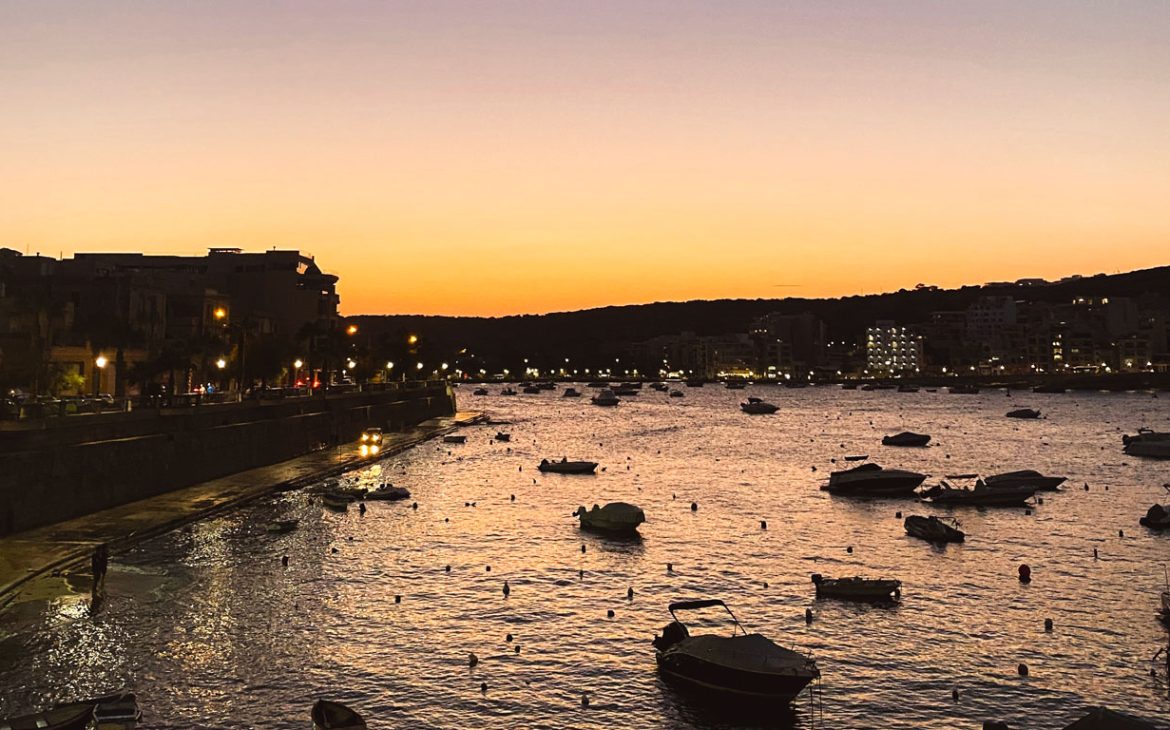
351	364
351	330
220	313
221	363
100	361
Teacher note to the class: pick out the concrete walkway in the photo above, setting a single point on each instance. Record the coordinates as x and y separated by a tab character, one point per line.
27	555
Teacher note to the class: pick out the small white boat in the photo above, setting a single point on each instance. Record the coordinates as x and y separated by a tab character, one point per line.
615	517
606	398
933	529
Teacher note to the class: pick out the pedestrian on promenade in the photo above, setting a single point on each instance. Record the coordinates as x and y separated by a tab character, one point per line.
100	562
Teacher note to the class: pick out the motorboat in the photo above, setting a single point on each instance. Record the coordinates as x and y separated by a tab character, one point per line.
906	438
735	385
874	481
1024	413
335	716
501	436
1157	518
1030	477
964	389
454	439
531	390
606	398
906	388
480	391
336	501
564	466
571	393
615	517
1102	718
857	589
1151	444
389	492
660	387
758	408
742	665
283	526
933	529
956	490
676	394
508	391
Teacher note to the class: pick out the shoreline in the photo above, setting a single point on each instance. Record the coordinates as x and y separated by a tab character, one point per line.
53	549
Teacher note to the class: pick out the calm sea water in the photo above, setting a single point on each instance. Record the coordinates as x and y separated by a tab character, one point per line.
211	631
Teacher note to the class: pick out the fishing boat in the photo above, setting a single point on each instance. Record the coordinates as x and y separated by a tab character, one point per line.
455	439
282	526
875	481
742	666
1151	444
1023	413
615	517
933	529
906	438
857	589
564	466
115	711
335	716
547	385
756	407
848	386
571	393
60	718
606	398
969	489
1028	477
389	493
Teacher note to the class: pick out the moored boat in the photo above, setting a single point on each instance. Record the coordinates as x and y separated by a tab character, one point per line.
735	385
606	398
1150	444
454	439
873	480
329	715
615	517
676	394
744	666
933	529
480	391
1023	413
906	388
571	393
1028	477
1157	518
959	490
501	436
906	438
531	390
564	466
756	407
857	588
389	492
508	391
337	501
115	711
282	526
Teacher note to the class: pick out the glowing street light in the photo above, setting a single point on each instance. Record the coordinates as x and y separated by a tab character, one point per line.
389	365
352	364
412	340
419	366
298	364
220	313
351	330
101	361
221	363
443	366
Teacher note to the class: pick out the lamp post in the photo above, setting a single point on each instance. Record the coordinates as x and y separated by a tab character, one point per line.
100	361
297	365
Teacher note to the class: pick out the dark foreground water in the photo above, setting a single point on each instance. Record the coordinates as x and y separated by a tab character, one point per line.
211	631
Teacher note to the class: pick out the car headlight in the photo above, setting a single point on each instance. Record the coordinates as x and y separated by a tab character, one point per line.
365	437
365	450
374	449
377	438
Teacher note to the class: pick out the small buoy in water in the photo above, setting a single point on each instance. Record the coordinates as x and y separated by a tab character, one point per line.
1094	553
584	700
580	572
1086	487
333	550
1039	500
1106	487
763	524
361	508
1027	511
488	569
1048	624
582	548
447	569
808	616
521	469
1022	669
1025	573
609	613
398	599
483	687
508	638
670	567
674	496
630	593
446	519
1121	533
955	694
814	467
414	505
513	497
472	660
849	549
898	515
694	506
284	560
517	648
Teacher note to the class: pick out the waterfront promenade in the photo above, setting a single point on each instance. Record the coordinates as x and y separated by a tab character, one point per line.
65	547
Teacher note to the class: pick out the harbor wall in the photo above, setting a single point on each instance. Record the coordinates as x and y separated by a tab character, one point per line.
71	466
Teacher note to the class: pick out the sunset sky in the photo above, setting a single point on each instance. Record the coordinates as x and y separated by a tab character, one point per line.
505	156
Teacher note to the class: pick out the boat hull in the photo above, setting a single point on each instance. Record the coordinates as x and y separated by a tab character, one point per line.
687	670
882	487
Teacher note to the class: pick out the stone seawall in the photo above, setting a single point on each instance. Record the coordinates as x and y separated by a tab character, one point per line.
64	470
